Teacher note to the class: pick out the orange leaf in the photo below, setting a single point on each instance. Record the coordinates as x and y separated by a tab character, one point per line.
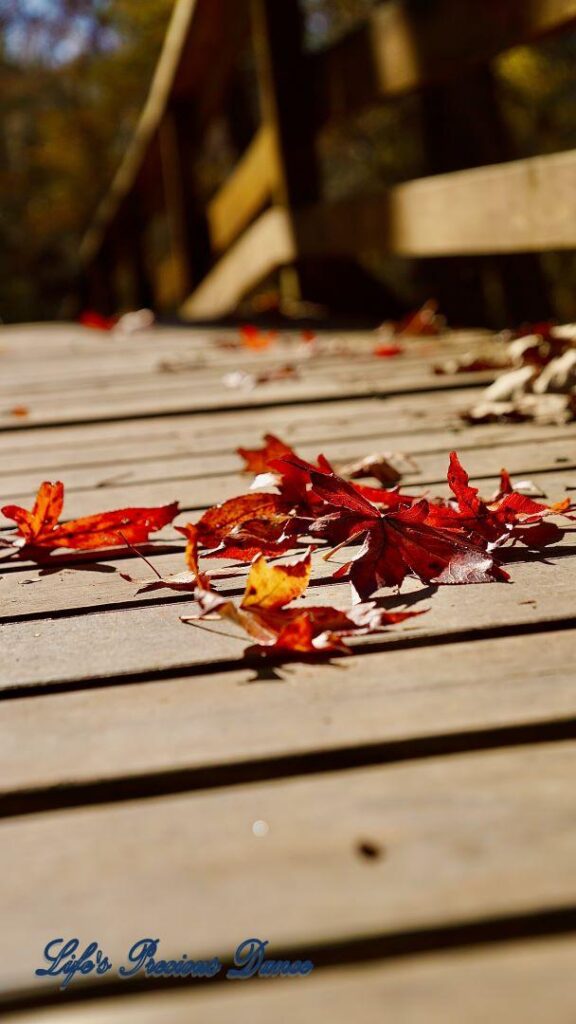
273	586
41	521
255	339
40	529
110	529
263	614
258	459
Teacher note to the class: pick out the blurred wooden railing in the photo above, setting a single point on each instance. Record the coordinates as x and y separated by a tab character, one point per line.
157	239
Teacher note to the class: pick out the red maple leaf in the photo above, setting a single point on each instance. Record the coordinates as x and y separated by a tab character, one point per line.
291	475
510	516
40	531
424	322
397	543
257	460
244	527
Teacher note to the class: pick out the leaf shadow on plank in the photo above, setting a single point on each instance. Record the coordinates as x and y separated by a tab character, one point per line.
545	556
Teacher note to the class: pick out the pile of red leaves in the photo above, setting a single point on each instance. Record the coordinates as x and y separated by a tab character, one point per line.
395	535
391	535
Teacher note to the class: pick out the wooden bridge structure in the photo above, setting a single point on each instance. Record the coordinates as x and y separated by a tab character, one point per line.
166	238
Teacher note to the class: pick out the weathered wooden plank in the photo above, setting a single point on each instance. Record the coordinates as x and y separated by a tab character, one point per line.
172	373
297	423
460	839
264	247
166	369
109	365
71	582
150	483
245	192
383	705
531	201
72	349
211	450
102	644
534	980
195	383
127	406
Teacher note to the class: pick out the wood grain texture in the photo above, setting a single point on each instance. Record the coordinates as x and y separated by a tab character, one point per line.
384	705
137	752
364	430
460	838
264	247
531	201
245	192
96	488
533	981
100	643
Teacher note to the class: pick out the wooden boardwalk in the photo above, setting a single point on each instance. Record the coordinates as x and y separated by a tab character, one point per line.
419	836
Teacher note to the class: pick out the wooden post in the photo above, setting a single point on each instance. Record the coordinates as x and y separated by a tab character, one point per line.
463	127
133	218
187	138
286	104
187	222
287	94
174	199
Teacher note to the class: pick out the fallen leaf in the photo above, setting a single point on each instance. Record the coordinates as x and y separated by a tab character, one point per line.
90	318
39	529
398	543
241	379
134	321
242	528
257	460
387	467
472	364
263	613
511	516
181	582
424	322
520	486
256	340
388	351
287	372
541	386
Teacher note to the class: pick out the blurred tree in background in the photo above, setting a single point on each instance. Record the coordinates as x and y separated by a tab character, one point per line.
73	77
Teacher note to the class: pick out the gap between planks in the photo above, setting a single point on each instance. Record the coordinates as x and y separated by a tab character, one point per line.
533	978
462	845
131	464
551	463
273	396
156	738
